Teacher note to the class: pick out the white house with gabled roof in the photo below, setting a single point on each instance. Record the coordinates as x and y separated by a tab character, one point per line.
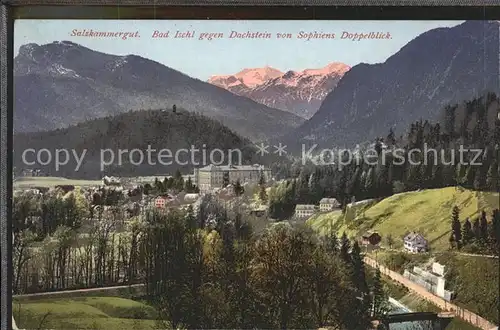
305	210
415	242
328	204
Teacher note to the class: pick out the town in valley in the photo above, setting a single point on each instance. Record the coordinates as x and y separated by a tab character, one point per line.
381	233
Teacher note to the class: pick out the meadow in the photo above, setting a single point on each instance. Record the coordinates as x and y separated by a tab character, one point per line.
427	212
88	312
48	182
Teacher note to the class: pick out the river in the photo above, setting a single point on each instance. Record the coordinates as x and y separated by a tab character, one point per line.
399	308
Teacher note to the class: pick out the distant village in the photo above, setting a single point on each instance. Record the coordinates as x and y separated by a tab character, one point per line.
137	194
234	186
224	182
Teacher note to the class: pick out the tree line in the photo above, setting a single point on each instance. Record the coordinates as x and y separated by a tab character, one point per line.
479	236
202	268
175	183
208	269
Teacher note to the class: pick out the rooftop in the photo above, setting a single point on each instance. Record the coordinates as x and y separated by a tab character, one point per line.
305	207
254	167
413	236
328	201
370	234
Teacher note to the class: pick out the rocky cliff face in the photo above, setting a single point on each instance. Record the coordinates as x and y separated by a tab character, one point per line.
299	92
440	67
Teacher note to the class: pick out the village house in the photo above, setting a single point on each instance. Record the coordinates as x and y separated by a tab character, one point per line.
195	206
225	193
34	191
371	238
191	198
162	201
210	177
304	210
66	188
31	172
415	242
111	181
42	190
328	204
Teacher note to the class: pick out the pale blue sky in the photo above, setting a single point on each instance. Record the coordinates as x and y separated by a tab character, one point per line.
201	59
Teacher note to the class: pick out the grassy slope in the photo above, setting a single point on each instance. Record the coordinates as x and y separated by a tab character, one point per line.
108	313
321	222
426	211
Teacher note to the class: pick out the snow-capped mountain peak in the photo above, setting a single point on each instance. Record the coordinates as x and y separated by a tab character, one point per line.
299	92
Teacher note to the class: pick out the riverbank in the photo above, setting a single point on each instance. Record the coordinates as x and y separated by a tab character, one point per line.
439	303
399	306
408	302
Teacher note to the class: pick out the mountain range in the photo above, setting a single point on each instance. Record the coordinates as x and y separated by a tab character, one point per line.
440	67
64	83
299	92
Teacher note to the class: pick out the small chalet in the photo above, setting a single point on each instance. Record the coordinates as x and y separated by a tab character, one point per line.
42	190
415	242
163	200
371	238
328	204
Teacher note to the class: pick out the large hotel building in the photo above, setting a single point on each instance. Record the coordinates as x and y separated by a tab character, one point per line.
212	176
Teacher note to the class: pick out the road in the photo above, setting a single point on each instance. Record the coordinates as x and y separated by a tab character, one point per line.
444	305
477	255
55	293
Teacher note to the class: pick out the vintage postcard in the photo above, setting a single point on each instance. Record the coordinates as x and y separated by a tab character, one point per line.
211	174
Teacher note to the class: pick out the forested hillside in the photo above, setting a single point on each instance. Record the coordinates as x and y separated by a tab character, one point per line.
158	129
463	150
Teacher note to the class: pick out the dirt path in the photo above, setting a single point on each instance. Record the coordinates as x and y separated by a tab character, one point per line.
459	312
65	292
489	256
477	255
